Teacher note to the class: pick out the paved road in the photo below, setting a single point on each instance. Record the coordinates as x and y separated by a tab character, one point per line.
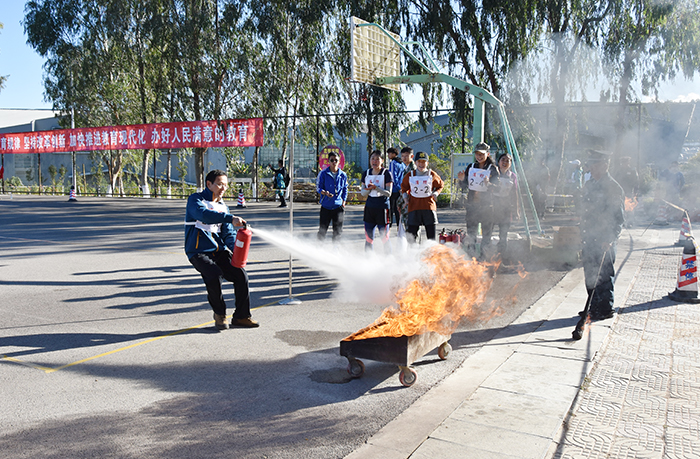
108	348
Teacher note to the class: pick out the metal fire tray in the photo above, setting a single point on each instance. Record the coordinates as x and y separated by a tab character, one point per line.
402	351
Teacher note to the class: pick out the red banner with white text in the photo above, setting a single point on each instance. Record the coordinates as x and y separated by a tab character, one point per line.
159	136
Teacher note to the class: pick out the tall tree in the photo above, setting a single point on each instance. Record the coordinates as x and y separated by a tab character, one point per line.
634	27
571	26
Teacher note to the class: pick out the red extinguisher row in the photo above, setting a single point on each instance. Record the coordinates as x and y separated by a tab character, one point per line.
456	236
241	247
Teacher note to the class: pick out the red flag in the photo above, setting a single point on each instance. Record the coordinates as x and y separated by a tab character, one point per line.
2	172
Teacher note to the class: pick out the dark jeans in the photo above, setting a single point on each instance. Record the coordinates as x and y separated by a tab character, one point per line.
599	271
396	215
479	214
503	229
413	231
215	266
331	215
280	193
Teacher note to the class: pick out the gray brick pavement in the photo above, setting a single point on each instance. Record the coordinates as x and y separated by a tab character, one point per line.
641	399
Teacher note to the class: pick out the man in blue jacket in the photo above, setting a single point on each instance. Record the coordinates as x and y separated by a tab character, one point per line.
209	243
332	185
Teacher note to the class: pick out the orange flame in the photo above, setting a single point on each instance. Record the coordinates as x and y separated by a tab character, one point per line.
630	204
454	290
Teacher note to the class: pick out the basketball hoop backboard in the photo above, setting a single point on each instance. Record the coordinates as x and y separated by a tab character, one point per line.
374	54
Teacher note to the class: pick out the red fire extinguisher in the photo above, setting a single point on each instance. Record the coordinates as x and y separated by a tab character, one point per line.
241	247
443	237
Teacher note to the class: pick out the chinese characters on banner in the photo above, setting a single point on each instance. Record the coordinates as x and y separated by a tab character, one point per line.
323	156
160	136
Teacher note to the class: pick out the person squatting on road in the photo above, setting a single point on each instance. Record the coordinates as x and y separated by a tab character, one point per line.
397	169
332	185
505	207
602	218
209	243
420	188
376	185
481	180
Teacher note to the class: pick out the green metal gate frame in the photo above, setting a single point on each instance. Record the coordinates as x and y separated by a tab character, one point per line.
481	98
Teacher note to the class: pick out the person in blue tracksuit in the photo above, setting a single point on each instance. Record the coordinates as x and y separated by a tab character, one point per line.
332	185
397	169
209	243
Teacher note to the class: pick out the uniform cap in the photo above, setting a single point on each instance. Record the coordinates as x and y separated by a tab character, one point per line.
482	147
421	155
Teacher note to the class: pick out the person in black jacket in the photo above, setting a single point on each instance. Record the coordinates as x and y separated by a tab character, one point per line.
602	217
481	179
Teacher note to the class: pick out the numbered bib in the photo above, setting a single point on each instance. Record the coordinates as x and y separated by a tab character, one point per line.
477	179
377	180
421	187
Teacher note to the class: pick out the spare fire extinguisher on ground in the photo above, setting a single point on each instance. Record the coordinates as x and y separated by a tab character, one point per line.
241	247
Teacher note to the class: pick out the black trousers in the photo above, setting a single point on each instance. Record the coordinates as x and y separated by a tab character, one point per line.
599	271
337	216
217	266
395	213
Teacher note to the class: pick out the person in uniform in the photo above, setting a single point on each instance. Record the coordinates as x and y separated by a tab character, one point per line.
481	180
602	217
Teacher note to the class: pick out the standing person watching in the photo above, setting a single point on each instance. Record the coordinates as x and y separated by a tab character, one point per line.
376	185
279	181
397	169
209	243
602	218
401	204
505	207
481	179
420	188
332	185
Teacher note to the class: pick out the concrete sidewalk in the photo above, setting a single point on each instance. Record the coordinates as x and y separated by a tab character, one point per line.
629	388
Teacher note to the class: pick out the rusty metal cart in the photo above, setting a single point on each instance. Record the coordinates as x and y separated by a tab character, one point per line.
402	351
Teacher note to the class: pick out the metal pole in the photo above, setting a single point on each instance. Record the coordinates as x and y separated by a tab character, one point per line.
72	126
155	177
291	299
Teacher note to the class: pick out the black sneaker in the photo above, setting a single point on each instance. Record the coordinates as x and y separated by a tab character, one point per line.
603	316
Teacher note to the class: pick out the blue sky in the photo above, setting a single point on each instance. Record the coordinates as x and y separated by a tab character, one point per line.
23	67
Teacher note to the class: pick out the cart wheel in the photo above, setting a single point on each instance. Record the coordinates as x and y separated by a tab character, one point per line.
356	368
408	376
444	350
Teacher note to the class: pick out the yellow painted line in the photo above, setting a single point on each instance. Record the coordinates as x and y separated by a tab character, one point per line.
31	365
114	351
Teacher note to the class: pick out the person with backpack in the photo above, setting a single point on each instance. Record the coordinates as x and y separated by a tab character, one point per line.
280	181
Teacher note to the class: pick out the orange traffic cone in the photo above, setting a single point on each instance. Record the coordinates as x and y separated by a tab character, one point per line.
241	199
661	214
71	196
686	231
687	286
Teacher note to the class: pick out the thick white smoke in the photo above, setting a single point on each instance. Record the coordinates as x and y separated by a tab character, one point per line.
362	276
